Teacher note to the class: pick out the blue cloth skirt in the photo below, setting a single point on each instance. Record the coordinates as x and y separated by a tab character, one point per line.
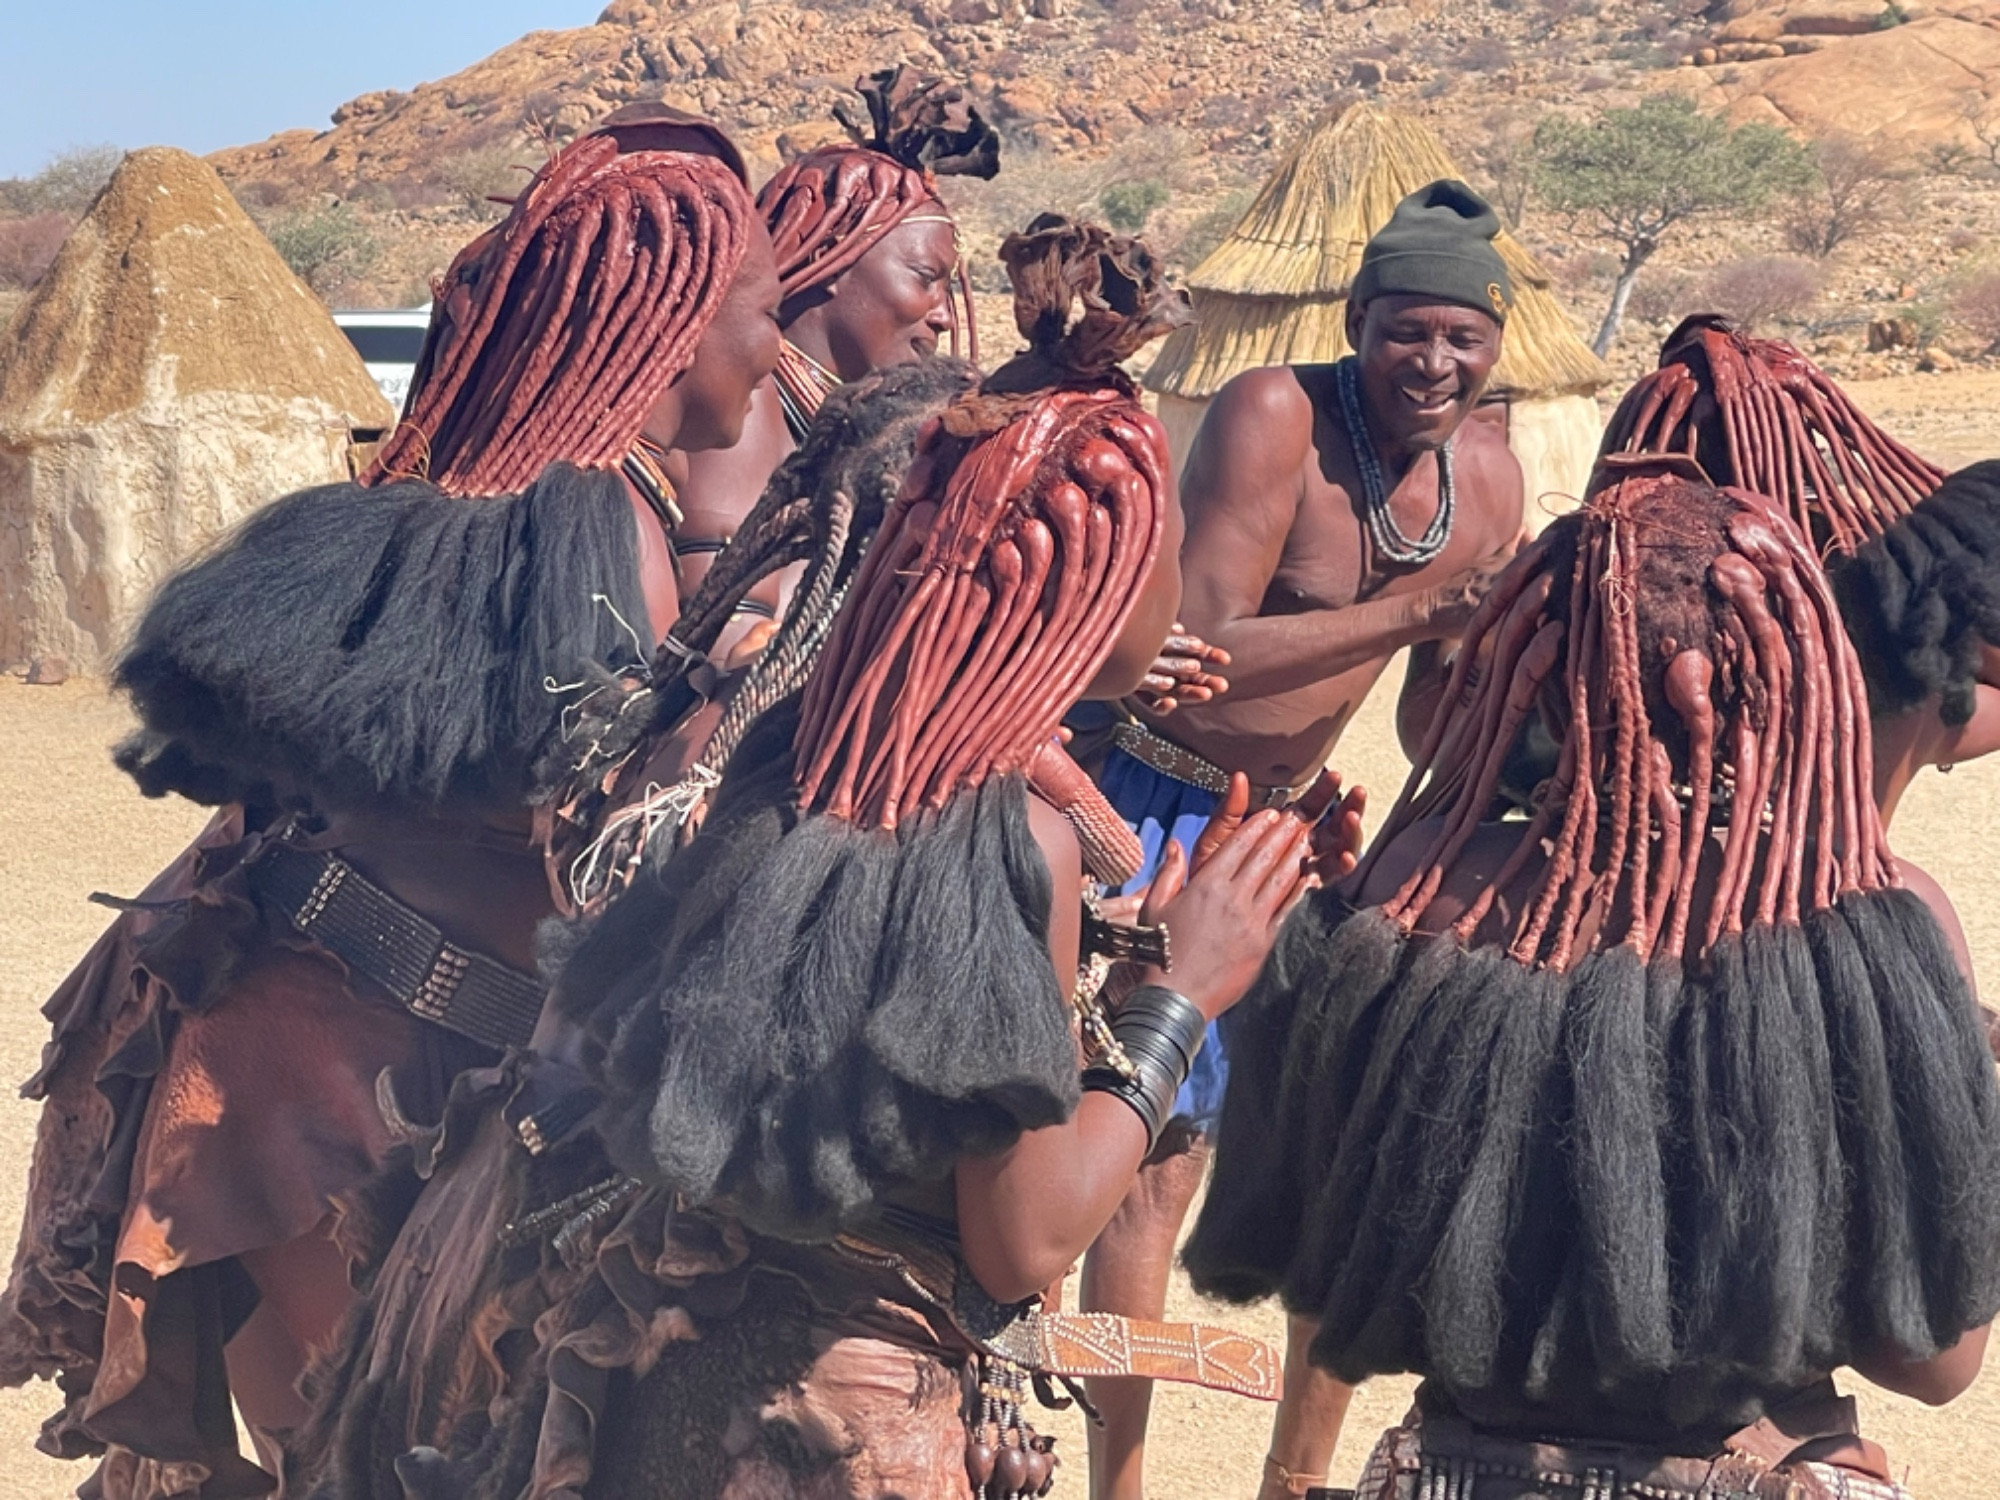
1158	808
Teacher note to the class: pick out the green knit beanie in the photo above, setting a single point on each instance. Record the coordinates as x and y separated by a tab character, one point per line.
1439	244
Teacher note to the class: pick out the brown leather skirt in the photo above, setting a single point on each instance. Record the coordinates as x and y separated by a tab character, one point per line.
209	1090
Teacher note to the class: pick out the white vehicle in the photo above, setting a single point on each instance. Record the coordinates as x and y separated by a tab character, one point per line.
388	342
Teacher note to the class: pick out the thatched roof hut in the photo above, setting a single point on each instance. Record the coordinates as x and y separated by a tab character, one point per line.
1275	291
167	376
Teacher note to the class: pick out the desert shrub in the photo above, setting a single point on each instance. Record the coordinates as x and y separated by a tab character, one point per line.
28	247
1483	54
1209	228
325	246
1128	205
1665	294
69	184
1633	176
1856	185
1974	305
1500	151
1760	289
263	194
474	179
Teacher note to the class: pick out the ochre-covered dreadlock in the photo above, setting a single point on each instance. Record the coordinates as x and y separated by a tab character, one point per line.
1010	561
557	331
832	205
1766	693
1756	413
1646	1113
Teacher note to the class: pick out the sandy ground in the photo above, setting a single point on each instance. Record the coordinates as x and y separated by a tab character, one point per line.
70	825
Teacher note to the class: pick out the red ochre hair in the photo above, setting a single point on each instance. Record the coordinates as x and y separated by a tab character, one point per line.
1753	717
832	205
1011	559
1757	414
557	331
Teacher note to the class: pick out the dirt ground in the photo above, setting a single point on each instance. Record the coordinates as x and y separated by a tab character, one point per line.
70	825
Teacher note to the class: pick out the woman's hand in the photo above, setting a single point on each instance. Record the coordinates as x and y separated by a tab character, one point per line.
1248	873
1181	673
1335	820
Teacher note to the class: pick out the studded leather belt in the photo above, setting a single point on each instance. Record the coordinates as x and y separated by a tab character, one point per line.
1181	764
396	948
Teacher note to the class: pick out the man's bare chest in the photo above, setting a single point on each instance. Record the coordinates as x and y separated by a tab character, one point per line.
1327	562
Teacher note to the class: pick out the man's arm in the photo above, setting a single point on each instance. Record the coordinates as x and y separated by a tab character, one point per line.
1244	481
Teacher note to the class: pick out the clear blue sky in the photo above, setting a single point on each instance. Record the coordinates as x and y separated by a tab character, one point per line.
202	74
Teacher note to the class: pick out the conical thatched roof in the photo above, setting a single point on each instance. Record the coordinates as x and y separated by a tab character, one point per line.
1275	291
169	375
167	289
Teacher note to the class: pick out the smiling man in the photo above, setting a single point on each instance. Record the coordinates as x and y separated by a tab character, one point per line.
1335	514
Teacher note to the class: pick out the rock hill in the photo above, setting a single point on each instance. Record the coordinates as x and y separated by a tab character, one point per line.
1079	76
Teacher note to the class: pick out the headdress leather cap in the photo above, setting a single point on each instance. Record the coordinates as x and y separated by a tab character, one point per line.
1438	244
651	125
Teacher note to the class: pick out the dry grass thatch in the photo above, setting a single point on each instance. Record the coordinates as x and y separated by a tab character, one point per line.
1275	291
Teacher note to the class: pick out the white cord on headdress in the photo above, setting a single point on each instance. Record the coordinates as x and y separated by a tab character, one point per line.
591	873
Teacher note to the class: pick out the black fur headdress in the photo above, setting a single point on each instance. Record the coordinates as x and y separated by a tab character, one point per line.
750	1052
1921	599
359	644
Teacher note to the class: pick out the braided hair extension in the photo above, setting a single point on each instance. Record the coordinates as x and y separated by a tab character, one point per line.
1765	686
831	206
843	984
1009	563
823	507
557	331
1662	1103
1912	553
1756	413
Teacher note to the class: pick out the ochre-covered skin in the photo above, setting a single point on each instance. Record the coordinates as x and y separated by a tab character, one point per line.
829	208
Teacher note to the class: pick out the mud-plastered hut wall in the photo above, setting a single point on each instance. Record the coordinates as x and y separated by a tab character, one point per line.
168	375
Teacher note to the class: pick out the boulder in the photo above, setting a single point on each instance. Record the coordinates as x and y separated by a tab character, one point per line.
1908	84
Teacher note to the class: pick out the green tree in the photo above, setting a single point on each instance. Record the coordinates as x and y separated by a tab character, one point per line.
1633	175
324	246
1128	205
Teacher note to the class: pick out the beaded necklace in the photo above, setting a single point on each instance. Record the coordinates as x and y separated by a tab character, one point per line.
1391	545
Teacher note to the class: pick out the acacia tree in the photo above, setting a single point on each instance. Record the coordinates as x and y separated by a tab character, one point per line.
1633	175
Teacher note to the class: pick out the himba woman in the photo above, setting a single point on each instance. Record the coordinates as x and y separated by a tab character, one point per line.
362	676
868	256
834	1036
440	1347
1627	1121
1914	553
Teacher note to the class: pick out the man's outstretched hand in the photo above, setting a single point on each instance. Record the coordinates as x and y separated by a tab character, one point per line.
1183	673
